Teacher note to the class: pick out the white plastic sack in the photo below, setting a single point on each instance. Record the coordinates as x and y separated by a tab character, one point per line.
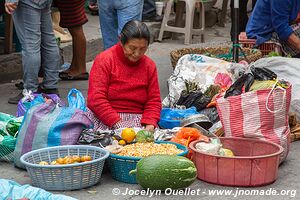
288	69
197	68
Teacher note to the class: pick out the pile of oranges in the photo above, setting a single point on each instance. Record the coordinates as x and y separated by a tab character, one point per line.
68	160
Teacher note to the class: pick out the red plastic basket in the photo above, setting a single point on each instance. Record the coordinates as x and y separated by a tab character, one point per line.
265	48
255	163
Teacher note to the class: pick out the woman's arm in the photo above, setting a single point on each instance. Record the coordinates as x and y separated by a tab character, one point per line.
280	15
98	91
152	108
294	40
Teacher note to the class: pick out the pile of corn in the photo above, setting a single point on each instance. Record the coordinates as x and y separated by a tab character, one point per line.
148	149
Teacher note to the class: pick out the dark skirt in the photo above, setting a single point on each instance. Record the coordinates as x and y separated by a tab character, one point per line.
72	12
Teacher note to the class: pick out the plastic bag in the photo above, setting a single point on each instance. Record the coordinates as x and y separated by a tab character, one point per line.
209	148
224	80
237	87
12	190
9	125
171	117
263	74
49	124
33	99
202	102
76	99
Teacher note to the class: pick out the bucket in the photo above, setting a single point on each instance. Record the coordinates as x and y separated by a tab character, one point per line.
159	5
255	163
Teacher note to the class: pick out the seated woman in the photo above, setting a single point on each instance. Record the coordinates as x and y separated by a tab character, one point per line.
272	20
123	85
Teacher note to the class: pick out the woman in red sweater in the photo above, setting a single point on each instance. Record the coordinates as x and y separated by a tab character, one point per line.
123	85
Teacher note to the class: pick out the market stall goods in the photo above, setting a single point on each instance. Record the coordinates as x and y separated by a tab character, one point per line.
148	149
160	172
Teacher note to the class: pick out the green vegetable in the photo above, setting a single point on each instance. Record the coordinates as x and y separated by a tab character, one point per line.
144	136
13	125
159	172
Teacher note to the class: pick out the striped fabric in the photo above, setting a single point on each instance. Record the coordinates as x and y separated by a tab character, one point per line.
129	120
247	116
72	13
286	47
47	125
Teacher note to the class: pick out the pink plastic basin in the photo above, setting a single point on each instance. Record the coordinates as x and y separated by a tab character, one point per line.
255	163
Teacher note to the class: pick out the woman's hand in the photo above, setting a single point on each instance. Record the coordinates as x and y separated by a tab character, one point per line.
149	128
10	7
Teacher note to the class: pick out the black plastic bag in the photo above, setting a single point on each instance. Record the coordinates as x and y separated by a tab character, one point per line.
263	74
202	102
188	100
236	88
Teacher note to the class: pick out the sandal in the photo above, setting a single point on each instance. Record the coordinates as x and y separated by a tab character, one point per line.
67	77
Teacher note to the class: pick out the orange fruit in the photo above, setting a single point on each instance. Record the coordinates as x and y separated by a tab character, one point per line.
68	160
85	158
76	158
60	161
128	134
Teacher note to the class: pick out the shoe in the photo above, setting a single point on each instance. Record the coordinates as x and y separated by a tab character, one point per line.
16	99
47	91
81	77
155	18
20	85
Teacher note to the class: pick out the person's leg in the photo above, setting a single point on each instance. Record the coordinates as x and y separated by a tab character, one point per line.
108	23
149	9
128	10
79	51
27	24
50	52
73	17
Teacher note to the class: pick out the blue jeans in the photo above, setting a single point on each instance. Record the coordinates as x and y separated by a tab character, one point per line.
114	14
33	25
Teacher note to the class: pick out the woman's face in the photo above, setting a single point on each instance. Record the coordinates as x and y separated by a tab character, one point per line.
134	49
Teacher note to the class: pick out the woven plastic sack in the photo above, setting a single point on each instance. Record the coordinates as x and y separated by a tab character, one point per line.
12	190
27	101
49	124
261	114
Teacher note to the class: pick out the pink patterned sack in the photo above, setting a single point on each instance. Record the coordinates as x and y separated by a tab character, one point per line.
261	114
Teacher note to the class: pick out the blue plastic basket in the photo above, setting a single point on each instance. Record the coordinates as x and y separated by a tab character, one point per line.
120	166
65	177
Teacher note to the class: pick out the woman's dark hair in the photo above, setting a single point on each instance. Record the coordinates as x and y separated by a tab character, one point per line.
134	29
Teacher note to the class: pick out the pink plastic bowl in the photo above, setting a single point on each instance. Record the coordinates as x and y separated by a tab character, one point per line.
255	163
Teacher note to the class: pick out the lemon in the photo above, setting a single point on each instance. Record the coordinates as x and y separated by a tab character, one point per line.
128	134
122	142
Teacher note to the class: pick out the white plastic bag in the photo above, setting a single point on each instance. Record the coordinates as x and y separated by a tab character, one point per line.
196	68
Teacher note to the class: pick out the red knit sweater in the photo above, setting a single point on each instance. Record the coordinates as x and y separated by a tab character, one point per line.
117	85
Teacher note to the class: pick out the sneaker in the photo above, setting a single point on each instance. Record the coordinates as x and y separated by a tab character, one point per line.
16	99
20	85
47	91
155	18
